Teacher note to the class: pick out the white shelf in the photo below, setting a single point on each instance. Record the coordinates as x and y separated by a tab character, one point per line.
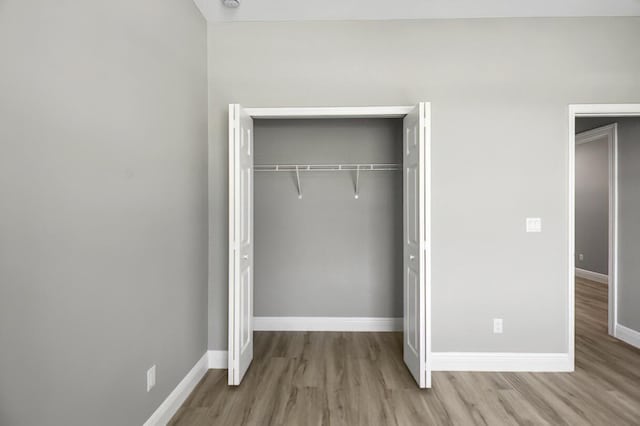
326	167
357	168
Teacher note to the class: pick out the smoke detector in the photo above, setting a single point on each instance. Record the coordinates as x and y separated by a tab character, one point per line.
231	3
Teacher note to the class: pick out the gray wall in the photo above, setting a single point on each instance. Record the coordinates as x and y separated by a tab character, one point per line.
628	213
328	254
592	206
499	91
103	224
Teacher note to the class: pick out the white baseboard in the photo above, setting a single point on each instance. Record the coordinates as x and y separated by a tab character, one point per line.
172	403
218	360
628	335
469	361
593	276
500	361
326	324
440	361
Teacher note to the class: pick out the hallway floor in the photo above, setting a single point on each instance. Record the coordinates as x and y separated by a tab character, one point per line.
319	378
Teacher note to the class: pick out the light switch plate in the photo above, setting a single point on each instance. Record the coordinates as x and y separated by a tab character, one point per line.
151	378
534	224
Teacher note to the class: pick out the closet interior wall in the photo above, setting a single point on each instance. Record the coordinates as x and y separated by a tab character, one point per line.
328	254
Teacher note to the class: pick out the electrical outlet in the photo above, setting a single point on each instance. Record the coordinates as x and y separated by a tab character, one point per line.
151	378
581	257
497	326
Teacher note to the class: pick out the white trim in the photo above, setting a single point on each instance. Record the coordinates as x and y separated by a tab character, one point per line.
218	360
326	324
592	276
501	361
470	361
427	241
612	279
234	111
628	335
571	241
604	110
176	398
330	112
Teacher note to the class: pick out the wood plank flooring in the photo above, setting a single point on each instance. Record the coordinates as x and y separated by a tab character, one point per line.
359	379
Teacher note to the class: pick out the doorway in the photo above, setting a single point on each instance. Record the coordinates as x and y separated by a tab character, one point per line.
596	210
415	167
595	255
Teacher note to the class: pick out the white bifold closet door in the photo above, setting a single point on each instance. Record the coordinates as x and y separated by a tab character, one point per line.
416	339
240	243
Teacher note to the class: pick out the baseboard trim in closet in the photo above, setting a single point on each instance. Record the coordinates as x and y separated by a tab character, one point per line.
326	324
501	361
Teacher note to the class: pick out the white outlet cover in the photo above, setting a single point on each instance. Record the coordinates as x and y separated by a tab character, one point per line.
534	224
151	378
497	325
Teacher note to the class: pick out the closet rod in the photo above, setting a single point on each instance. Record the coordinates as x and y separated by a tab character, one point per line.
326	167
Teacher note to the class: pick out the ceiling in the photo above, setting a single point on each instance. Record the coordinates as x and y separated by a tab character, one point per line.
305	10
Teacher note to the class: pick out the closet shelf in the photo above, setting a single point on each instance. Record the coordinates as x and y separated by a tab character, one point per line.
357	168
326	167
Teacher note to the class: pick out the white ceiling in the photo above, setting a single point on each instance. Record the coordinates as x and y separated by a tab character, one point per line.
305	10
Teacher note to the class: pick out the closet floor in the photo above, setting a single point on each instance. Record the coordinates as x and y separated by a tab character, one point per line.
319	378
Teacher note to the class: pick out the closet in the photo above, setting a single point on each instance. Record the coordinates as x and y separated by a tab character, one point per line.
329	212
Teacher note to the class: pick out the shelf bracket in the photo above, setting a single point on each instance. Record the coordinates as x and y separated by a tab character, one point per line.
298	181
357	194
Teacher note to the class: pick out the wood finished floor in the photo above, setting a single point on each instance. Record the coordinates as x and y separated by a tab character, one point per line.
360	379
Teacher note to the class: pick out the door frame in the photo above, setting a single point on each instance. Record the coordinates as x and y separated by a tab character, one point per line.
330	112
595	110
372	112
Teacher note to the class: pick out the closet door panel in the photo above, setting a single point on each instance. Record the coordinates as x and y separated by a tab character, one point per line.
240	243
416	339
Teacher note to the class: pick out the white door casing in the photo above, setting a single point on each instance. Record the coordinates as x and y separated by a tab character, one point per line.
416	338
240	243
417	255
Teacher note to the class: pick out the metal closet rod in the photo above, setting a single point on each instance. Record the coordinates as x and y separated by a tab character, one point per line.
326	167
